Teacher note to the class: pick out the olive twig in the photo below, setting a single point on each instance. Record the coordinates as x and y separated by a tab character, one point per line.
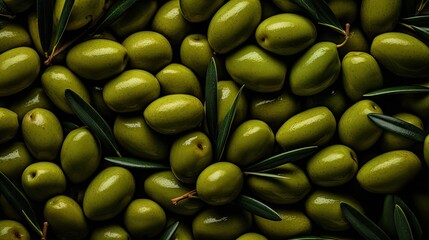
45	230
187	195
346	36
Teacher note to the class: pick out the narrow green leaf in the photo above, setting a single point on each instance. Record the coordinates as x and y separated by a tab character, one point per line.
282	158
169	232
136	163
225	126
398	90
397	126
5	11
211	99
69	126
320	11
363	225
113	13
62	24
412	219
422	32
403	228
422	5
267	175
44	11
421	20
19	202
386	221
91	118
256	207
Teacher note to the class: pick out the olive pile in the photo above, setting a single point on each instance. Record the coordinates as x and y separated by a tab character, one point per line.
287	82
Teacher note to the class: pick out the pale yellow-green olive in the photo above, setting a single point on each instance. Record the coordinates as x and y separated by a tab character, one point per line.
14	158
97	59
109	232
389	172
256	69
227	90
10	125
12	35
174	113
56	79
108	193
148	50
377	17
131	91
19	68
199	11
195	53
11	229
33	98
314	126
233	24
33	29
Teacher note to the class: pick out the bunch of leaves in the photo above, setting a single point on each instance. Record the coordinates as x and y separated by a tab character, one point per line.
51	34
419	23
397	221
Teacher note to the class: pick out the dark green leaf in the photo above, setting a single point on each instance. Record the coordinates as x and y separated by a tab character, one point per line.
44	11
19	202
169	232
225	126
319	10
211	99
282	158
412	219
397	126
363	225
91	118
422	32
386	221
403	228
69	126
136	163
256	207
5	11
267	175
422	5
62	23
113	13
422	20
398	90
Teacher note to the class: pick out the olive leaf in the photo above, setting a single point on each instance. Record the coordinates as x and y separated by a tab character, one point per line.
267	175
282	158
112	14
91	118
69	126
422	5
403	228
5	11
62	24
386	221
397	126
225	126
422	32
411	217
169	232
256	207
211	99
422	20
363	225
320	11
136	163
398	90
44	12
19	202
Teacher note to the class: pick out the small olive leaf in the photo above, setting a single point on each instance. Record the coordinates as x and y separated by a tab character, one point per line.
112	14
397	126
256	207
170	231
363	225
44	12
62	24
398	90
403	228
422	5
267	175
91	118
320	11
412	219
225	126
136	163
211	99
19	202
5	11
421	21
422	32
386	221
282	158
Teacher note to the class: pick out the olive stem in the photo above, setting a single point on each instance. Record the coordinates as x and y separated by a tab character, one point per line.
346	36
45	230
187	195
